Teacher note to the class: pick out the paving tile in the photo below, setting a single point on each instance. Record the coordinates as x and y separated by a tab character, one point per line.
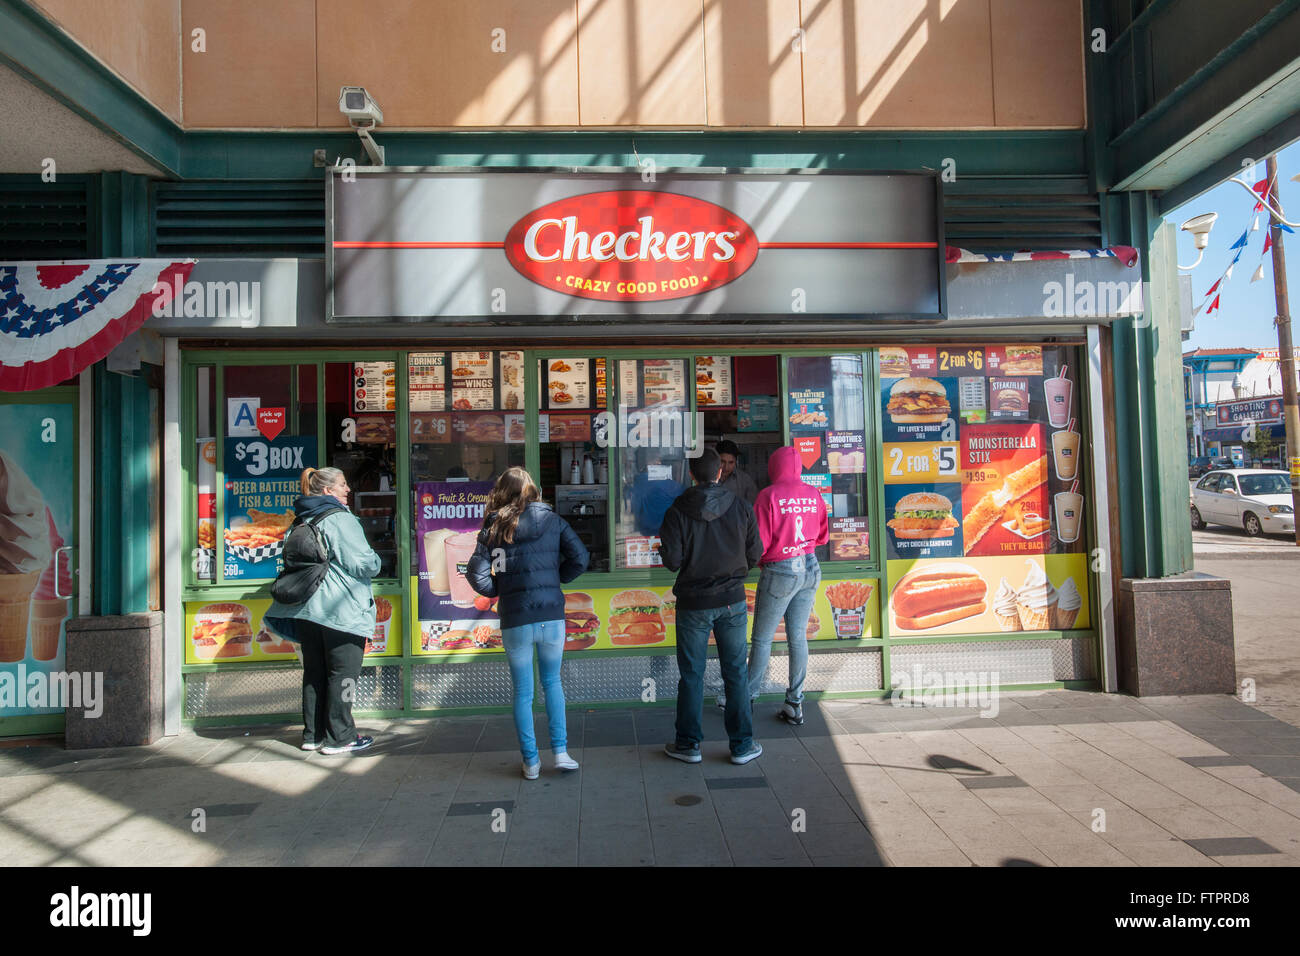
992	783
928	857
765	846
690	844
1006	855
1164	853
392	853
1252	861
1232	846
736	783
1212	761
1193	822
1124	826
615	846
1095	852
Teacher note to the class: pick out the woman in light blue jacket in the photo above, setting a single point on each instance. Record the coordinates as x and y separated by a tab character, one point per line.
333	624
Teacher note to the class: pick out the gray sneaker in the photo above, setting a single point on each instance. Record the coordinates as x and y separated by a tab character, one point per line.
684	754
755	750
791	713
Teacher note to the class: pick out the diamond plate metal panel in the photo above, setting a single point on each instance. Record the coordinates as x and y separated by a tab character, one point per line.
479	683
1016	662
247	691
838	673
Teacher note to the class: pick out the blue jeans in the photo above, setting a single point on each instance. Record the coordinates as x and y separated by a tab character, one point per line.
518	642
786	589
728	626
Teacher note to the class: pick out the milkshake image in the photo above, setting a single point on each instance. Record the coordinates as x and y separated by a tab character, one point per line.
1069	510
1004	607
24	554
1065	454
49	610
435	560
1058	393
460	548
1037	600
1067	606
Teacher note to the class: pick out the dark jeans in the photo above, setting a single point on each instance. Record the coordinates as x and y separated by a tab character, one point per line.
728	625
331	665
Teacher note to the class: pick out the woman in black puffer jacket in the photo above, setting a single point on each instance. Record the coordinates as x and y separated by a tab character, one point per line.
525	552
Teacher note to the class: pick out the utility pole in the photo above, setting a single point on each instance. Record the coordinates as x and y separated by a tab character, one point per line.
1286	361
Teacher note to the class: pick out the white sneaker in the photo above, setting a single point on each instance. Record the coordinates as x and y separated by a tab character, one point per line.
531	770
564	762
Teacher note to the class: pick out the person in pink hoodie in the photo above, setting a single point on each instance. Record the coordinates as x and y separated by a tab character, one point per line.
792	522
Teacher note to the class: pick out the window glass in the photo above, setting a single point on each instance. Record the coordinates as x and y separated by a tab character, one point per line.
268	437
1227	483
654	431
205	474
1209	483
361	441
467	426
1265	485
737	397
825	412
574	468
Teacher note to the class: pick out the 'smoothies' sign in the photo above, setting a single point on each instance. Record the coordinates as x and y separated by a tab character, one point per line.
521	247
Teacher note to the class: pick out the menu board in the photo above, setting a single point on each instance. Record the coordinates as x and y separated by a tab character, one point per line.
850	539
473	386
713	381
808	410
981	463
374	387
568	383
427	381
512	381
663	382
759	413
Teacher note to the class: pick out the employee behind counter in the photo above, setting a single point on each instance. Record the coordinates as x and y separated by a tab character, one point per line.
734	479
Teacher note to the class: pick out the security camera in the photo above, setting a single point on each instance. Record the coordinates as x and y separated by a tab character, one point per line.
360	108
1199	227
363	115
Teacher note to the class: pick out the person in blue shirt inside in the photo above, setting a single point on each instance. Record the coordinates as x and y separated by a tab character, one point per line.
652	496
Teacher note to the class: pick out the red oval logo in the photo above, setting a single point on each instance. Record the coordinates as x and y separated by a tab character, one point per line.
631	245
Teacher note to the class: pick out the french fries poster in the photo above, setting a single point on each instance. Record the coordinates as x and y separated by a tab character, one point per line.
261	487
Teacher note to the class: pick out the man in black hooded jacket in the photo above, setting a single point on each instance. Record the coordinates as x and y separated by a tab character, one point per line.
710	536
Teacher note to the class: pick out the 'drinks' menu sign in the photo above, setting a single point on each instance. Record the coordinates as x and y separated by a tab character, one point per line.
523	247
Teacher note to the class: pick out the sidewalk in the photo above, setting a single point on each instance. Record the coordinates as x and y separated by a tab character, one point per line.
1057	778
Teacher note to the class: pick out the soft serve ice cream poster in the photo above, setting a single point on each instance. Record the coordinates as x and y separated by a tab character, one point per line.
451	616
37	484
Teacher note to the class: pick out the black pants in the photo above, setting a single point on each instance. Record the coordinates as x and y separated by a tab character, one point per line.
331	665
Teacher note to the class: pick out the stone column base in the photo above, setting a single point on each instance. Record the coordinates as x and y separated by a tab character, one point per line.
128	650
1174	635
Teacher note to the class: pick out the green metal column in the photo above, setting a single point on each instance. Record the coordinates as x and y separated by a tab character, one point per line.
1150	423
124	483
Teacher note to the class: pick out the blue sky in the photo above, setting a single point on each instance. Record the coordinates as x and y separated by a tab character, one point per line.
1246	309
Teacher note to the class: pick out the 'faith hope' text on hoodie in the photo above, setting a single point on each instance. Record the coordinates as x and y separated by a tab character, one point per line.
791	515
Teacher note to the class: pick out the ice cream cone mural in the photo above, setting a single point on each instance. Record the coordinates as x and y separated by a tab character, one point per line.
25	553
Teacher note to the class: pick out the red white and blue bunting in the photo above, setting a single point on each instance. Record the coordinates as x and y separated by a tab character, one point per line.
1125	254
58	319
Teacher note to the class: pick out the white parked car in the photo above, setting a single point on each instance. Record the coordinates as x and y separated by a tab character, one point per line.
1253	499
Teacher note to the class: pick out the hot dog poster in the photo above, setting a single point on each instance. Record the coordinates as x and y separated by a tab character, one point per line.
232	631
605	618
1000	595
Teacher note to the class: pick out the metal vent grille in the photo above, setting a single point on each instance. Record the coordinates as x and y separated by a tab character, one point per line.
1000	214
43	220
249	219
248	691
1014	662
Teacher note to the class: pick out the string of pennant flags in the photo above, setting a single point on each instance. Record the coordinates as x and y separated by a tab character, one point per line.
1263	188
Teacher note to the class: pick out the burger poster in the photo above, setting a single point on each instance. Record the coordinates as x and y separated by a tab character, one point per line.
921	521
1001	595
919	408
218	632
